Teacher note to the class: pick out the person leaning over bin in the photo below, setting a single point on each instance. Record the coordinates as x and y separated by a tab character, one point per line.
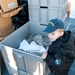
60	54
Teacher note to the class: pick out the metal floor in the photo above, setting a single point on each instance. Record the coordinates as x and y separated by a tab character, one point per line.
67	22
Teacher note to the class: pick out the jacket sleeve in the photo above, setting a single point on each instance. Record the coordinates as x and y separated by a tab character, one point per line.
68	53
62	54
50	60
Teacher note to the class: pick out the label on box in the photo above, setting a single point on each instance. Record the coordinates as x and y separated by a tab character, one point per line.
12	5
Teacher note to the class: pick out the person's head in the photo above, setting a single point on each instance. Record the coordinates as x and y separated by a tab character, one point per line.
55	29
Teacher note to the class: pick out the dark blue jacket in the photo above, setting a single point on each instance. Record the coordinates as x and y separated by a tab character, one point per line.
63	49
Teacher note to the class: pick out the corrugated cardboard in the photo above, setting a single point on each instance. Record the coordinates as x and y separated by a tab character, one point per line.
5	25
7	5
1	38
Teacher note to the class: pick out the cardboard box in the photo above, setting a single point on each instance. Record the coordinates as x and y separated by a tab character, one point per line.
5	25
7	5
2	38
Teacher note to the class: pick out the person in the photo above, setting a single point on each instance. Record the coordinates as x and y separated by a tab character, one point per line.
71	6
60	54
68	9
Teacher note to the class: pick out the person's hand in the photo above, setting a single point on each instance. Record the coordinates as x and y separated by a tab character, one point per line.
44	55
20	8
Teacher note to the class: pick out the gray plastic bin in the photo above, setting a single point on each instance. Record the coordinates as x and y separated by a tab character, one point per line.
17	61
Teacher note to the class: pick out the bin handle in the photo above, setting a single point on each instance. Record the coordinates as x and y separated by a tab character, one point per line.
44	7
43	24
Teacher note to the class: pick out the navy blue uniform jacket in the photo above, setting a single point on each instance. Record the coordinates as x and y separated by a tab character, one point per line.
63	48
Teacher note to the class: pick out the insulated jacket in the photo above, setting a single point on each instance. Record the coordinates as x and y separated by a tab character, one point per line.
61	54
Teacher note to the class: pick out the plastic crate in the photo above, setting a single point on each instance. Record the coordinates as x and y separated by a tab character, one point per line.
44	14
38	2
12	69
21	72
47	2
58	3
19	62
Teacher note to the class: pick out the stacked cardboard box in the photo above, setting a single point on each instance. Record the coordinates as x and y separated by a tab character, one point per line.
7	5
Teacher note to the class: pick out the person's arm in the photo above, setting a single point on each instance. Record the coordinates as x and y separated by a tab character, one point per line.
68	53
52	59
15	11
68	9
48	58
69	6
11	13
